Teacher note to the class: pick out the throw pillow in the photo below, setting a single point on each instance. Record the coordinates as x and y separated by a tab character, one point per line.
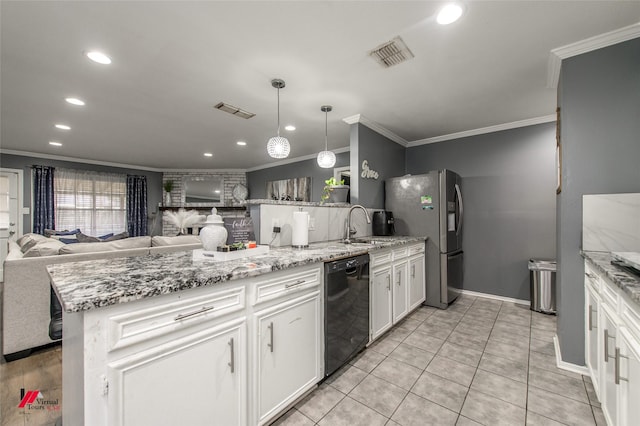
27	241
86	238
119	236
45	248
51	232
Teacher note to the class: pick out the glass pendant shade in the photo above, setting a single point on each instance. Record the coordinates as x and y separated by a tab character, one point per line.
278	147
326	159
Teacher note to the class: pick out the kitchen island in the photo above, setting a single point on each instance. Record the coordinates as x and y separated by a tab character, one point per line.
169	339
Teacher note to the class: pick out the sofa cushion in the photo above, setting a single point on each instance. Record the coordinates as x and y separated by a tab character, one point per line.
29	240
14	251
50	247
128	243
159	240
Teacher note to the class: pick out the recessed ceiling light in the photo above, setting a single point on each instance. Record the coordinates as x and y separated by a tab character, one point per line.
99	57
75	101
217	191
241	143
290	128
62	127
449	13
208	154
55	143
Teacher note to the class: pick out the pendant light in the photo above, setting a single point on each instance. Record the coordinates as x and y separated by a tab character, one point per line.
326	158
278	147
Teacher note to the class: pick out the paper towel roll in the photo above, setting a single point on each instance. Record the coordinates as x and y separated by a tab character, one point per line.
300	229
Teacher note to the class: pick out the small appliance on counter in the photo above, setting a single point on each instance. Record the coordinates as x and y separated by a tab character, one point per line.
300	229
383	224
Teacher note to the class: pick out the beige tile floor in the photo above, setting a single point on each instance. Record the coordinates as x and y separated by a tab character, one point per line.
481	361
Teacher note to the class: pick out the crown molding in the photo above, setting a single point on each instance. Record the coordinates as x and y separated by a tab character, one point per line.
359	118
587	45
293	160
490	129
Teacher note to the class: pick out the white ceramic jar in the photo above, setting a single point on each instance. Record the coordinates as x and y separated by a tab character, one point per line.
214	234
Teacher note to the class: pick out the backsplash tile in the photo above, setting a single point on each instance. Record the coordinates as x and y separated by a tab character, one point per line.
611	222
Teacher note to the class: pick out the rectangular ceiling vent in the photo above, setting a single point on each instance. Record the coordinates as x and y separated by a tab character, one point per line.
391	53
234	110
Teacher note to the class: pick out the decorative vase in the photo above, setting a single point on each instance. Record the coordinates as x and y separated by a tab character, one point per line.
214	234
167	199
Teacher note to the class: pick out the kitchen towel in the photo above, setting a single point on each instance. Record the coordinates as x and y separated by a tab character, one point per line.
300	231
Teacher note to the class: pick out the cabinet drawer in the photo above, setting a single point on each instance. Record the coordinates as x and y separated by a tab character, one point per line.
416	249
400	253
609	294
285	284
591	278
379	257
631	317
140	325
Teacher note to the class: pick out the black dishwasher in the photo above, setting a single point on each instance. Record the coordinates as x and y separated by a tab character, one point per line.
346	310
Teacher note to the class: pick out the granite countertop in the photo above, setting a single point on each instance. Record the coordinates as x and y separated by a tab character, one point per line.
628	282
296	203
92	284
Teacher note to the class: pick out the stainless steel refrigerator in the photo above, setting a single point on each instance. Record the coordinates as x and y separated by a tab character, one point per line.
430	205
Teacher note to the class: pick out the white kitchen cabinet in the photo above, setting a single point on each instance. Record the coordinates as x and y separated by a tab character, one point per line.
592	315
612	347
381	313
146	387
397	285
400	291
417	287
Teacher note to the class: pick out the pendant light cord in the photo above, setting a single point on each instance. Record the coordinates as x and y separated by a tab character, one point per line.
278	112
326	140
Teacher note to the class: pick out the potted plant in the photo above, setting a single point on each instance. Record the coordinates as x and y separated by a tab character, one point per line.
168	187
335	191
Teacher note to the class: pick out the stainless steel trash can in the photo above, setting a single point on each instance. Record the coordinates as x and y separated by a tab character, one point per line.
542	275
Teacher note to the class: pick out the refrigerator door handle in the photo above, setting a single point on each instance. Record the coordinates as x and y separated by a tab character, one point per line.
461	208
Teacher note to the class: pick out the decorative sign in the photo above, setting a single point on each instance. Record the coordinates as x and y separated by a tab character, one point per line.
367	173
239	229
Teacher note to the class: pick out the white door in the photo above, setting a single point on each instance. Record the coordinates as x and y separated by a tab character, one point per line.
171	385
593	361
289	358
629	378
9	181
416	282
608	387
381	319
400	293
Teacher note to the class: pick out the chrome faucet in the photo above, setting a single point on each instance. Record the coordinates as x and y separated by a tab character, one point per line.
350	232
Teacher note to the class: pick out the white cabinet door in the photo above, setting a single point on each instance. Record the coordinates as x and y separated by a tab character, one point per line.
289	357
381	319
628	378
608	387
400	290
592	337
196	380
416	282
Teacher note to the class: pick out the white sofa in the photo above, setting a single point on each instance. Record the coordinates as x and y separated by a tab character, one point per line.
26	288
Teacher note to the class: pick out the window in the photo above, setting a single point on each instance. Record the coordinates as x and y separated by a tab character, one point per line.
94	202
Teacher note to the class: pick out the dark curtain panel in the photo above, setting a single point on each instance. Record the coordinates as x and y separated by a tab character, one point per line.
136	205
43	202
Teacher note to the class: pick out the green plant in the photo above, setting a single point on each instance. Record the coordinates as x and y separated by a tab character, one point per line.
328	187
168	186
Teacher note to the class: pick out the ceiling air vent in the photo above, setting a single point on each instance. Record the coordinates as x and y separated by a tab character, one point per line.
391	53
234	110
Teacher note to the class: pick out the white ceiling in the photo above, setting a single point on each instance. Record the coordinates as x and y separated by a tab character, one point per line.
172	61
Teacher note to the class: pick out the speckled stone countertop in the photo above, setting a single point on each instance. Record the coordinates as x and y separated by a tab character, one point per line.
92	284
296	203
628	282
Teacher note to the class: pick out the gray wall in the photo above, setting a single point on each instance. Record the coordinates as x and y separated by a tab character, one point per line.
508	187
257	180
154	182
383	155
599	99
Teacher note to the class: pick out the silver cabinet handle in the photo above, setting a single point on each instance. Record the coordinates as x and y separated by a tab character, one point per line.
413	271
606	345
270	344
590	321
617	367
294	284
399	277
190	314
232	363
389	282
593	277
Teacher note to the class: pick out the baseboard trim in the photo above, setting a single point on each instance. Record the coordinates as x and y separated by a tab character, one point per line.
563	365
495	297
